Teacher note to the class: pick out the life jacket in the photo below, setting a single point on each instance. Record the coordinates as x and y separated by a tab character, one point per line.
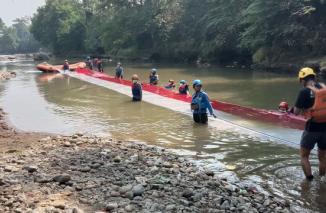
183	89
153	79
318	111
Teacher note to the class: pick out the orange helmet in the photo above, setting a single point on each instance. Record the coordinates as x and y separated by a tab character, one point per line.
284	106
134	77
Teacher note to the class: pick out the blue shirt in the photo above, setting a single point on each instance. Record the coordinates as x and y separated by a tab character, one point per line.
202	100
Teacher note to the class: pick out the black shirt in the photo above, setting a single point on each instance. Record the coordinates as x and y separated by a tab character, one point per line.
306	100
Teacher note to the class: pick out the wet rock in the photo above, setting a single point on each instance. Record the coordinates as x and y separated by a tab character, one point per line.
62	179
138	190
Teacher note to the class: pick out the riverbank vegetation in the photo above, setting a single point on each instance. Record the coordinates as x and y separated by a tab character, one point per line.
17	38
221	31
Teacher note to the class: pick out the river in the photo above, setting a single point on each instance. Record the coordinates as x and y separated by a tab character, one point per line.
60	104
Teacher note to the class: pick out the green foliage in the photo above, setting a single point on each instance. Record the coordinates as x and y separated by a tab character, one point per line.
215	30
59	26
17	38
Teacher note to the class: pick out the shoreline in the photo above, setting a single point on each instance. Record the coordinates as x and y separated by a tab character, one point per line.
45	173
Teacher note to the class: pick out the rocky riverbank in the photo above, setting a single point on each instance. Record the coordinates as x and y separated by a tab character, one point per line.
81	173
7	75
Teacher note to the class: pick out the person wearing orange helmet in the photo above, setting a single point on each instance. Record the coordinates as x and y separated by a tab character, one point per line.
136	88
311	102
283	107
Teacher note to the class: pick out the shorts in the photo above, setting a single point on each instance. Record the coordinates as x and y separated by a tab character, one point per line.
309	140
200	118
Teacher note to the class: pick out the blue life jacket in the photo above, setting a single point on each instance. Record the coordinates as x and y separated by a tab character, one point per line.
153	79
202	101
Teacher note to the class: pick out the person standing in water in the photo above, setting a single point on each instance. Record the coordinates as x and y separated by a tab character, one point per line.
153	77
183	88
136	88
311	102
100	65
119	71
200	104
89	63
66	66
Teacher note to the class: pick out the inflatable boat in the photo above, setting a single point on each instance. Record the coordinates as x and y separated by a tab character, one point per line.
45	67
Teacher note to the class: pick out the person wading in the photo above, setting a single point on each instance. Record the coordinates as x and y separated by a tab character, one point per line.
66	66
200	104
119	71
183	88
311	102
136	88
153	77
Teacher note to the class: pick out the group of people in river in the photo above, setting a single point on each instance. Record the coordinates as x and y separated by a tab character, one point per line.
311	103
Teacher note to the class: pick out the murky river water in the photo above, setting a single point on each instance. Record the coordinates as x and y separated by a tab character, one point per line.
39	102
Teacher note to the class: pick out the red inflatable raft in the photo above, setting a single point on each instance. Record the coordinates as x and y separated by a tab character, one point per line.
271	116
45	67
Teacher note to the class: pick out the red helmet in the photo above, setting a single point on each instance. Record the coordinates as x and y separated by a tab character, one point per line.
283	106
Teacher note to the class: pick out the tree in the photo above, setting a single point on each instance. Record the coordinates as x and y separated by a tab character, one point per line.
59	25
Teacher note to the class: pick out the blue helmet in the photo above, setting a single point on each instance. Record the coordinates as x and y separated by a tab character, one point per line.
196	82
183	82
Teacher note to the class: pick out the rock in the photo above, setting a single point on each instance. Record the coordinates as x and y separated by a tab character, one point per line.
129	208
225	205
42	179
125	189
167	165
59	206
138	190
115	194
77	210
188	193
67	144
209	173
111	206
62	179
267	202
85	169
170	207
31	168
117	159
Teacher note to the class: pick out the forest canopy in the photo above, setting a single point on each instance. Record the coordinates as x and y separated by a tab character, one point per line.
184	30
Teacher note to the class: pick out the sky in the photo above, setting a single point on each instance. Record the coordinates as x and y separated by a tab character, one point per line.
12	9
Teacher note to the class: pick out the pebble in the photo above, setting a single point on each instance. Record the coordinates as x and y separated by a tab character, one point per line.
138	190
111	206
62	179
